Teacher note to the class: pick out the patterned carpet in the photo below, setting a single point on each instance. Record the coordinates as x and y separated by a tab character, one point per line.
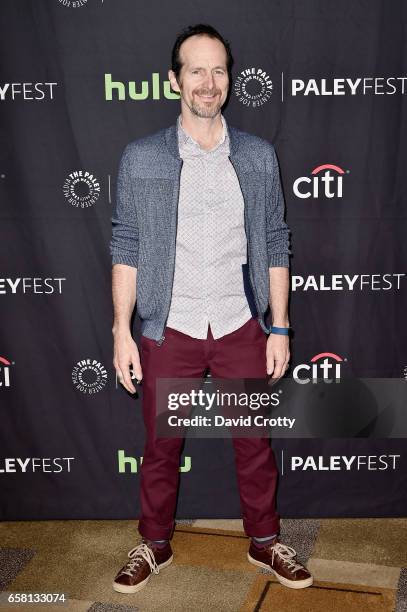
358	564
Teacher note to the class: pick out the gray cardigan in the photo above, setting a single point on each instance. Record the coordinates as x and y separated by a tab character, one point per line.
144	220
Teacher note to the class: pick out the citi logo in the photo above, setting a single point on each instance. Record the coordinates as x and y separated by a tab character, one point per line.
325	366
131	464
81	189
139	91
5	372
325	180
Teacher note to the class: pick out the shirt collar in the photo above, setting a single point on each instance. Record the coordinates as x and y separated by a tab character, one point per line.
188	145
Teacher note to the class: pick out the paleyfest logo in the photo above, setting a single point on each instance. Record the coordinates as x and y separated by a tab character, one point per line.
253	87
377	86
89	376
81	189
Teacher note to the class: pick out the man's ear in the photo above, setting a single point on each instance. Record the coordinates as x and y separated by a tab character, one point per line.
173	81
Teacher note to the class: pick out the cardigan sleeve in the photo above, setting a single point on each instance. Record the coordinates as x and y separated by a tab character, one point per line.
124	241
277	231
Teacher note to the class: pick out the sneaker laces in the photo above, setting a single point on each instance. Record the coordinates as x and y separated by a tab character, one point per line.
287	554
137	555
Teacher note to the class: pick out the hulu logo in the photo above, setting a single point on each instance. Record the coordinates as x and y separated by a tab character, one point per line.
141	91
133	463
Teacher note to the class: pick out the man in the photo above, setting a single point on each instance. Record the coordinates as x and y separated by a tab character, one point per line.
198	229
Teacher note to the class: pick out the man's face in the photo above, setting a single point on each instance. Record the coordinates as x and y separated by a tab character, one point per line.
203	81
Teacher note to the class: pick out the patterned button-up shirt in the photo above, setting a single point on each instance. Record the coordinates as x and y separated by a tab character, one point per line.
211	244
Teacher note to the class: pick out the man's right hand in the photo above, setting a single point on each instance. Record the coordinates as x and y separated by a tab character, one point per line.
126	354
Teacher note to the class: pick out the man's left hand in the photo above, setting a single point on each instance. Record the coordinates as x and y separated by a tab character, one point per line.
278	354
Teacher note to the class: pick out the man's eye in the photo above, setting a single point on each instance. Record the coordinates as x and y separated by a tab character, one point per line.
217	71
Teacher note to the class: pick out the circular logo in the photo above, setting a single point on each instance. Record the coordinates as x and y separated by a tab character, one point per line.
253	87
89	376
73	3
81	189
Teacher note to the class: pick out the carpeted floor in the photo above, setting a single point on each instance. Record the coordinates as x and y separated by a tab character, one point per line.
358	565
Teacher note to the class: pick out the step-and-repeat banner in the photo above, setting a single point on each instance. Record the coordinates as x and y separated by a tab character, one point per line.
326	83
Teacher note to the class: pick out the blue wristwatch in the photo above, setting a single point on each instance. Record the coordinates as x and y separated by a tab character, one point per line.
283	331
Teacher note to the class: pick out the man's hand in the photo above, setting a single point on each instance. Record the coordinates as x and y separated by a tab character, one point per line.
277	354
125	354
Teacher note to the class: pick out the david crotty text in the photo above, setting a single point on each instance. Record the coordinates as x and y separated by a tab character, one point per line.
220	421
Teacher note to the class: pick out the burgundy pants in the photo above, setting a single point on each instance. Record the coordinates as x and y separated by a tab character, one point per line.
240	354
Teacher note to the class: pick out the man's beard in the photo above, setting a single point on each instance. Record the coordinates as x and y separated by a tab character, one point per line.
202	110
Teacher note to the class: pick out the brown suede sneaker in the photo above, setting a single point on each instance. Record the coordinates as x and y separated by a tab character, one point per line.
145	559
279	558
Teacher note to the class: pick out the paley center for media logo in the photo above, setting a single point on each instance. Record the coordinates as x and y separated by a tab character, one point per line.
89	376
253	87
73	3
81	189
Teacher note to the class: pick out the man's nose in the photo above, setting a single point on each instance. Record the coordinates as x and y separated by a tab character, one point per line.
209	81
